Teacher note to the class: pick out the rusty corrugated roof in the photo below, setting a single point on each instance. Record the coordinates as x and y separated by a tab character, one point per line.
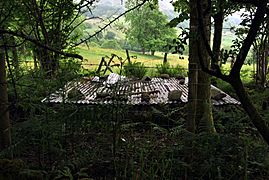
128	92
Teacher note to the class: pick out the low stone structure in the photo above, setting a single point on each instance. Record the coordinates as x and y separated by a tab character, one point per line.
119	89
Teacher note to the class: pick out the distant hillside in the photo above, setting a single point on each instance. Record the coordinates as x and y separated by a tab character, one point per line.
108	8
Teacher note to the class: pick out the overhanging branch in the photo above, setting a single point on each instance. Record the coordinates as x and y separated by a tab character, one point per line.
254	28
251	2
36	42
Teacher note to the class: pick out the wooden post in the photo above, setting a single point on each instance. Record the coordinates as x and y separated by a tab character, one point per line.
128	56
165	58
108	64
100	65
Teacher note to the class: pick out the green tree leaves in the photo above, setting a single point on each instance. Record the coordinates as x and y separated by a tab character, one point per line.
148	28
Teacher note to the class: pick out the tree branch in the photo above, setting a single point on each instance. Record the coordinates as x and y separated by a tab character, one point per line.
254	28
252	2
6	16
102	28
216	71
36	42
236	81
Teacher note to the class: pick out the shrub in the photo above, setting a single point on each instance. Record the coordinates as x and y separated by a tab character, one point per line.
171	70
136	69
110	35
111	44
163	68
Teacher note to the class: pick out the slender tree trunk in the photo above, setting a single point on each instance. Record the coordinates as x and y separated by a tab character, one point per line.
234	77
218	24
35	59
266	63
263	70
15	59
257	66
5	138
252	112
261	47
152	52
128	56
165	58
143	50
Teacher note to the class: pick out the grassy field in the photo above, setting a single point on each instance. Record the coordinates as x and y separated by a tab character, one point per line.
93	55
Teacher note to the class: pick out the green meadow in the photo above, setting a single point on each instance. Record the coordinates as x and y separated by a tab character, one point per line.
93	55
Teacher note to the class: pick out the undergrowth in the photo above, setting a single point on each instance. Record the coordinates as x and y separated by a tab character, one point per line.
87	142
135	69
67	141
173	71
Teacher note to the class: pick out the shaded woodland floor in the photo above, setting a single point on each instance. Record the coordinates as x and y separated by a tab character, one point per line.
107	142
65	141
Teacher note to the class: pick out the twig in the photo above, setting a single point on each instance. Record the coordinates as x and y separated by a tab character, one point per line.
104	27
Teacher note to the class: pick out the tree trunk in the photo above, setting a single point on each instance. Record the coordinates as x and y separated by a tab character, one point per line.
35	59
128	56
263	70
47	63
248	106
192	93
234	77
193	66
262	63
165	58
152	52
5	138
218	24
143	50
15	59
204	115
257	66
199	99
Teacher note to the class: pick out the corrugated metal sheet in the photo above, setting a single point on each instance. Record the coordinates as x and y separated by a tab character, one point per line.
128	92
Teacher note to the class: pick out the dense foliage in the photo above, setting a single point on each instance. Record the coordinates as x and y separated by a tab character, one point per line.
135	69
148	29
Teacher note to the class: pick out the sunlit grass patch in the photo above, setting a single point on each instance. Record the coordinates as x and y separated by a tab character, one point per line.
93	56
